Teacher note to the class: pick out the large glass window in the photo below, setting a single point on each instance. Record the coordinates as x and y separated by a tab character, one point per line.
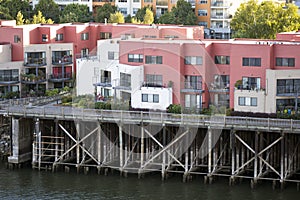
193	82
288	86
192	101
251	83
154	80
9	75
150	98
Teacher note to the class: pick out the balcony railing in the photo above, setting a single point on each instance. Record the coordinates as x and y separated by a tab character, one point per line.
192	87
62	60
32	79
35	62
104	82
161	3
60	77
288	91
219	4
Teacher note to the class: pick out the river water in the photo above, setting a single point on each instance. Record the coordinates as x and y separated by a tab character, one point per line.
27	183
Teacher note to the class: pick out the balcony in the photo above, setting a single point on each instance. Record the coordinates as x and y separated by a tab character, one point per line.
162	3
9	80
220	4
193	87
35	62
32	79
60	77
104	82
287	91
65	60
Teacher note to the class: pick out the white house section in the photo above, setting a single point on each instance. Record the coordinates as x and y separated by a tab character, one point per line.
154	98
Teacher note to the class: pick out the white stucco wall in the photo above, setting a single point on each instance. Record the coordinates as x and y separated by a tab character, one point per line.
5	53
165	98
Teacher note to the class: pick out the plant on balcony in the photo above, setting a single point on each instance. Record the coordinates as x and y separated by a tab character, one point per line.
174	108
238	84
170	84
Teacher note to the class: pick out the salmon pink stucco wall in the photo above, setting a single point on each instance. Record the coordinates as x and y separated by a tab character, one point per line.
7	36
237	71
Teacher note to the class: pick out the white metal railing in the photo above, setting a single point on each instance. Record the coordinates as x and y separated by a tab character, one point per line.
152	117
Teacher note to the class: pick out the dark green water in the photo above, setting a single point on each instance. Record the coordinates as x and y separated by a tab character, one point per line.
33	184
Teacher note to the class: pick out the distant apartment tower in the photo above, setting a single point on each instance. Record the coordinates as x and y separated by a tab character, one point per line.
64	3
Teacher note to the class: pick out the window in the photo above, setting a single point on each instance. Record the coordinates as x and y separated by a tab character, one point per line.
84	36
247	101
202	12
149	36
123	11
59	37
289	62
193	60
150	98
125	80
123	1
144	97
203	23
251	83
221	82
288	86
170	36
192	101
44	38
113	55
135	58
148	1
9	75
203	1
251	61
136	1
153	59
154	80
224	60
193	82
84	52
17	39
134	10
105	35
155	98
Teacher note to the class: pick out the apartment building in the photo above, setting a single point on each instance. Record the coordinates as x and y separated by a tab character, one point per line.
39	57
64	3
246	75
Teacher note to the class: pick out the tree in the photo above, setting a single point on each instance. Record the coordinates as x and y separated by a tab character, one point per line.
49	8
4	13
103	12
182	13
167	18
118	17
140	14
39	18
253	20
75	13
148	18
20	20
14	6
128	19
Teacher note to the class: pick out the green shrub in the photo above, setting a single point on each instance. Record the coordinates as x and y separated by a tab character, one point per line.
174	108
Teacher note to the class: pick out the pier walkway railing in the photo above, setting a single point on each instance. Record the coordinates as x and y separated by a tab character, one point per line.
138	117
